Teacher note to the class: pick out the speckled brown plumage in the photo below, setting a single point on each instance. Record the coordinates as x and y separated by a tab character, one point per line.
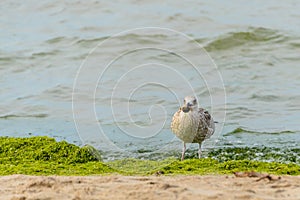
192	124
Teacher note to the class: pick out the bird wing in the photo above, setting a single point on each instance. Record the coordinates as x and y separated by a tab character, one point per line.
206	125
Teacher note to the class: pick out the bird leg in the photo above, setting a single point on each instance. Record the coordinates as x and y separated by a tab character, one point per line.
199	151
183	151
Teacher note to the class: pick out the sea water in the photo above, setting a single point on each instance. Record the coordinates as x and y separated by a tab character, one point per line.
111	74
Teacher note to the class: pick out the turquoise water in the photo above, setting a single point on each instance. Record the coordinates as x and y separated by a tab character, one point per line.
50	49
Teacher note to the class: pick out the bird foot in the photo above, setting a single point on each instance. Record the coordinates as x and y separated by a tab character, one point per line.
199	154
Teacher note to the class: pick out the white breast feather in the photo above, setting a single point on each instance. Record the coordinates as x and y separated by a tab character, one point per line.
192	127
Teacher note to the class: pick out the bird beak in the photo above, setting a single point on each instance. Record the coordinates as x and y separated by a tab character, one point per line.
185	109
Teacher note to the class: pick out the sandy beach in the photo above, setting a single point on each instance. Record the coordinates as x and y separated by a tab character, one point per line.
23	187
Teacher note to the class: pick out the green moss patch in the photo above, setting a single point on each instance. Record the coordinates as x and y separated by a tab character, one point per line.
45	156
212	166
266	154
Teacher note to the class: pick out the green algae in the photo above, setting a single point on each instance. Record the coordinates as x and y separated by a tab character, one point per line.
267	154
45	156
202	166
42	149
212	166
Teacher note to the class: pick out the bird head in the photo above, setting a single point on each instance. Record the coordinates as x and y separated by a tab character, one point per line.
189	103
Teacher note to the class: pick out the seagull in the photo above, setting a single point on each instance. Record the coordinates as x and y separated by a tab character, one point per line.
192	124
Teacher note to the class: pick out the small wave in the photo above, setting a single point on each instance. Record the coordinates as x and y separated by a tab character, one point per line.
6	59
59	92
240	130
86	42
144	39
295	42
266	98
55	40
236	39
62	41
9	116
43	53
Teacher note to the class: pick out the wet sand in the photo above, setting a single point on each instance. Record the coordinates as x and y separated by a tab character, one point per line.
22	187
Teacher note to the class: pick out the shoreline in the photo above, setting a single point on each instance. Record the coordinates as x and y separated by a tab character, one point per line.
42	168
24	187
45	156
